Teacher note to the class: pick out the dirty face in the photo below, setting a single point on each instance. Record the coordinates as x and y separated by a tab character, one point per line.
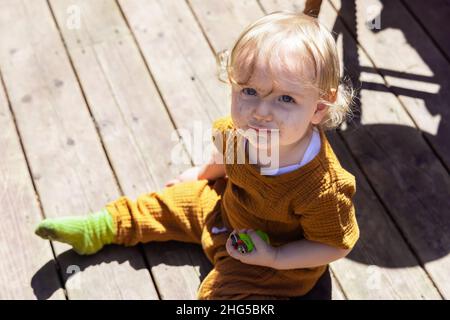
273	101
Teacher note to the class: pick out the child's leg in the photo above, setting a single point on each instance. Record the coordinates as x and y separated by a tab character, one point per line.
231	279
86	234
175	213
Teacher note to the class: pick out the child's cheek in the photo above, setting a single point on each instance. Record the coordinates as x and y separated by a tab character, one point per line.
239	114
291	129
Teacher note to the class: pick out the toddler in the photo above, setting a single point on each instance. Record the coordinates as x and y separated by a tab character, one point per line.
283	73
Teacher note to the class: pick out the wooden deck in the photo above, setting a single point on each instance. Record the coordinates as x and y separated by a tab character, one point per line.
86	115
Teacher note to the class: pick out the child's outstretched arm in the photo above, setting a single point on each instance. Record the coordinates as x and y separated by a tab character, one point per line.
293	255
211	170
214	168
306	254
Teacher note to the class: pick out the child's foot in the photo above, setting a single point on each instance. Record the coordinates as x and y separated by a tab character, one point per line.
86	234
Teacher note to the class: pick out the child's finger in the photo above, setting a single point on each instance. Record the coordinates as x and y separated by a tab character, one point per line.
230	249
227	245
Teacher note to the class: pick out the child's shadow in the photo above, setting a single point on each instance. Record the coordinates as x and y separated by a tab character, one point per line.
171	253
407	173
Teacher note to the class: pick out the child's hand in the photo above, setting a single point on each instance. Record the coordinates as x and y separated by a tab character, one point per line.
190	174
262	255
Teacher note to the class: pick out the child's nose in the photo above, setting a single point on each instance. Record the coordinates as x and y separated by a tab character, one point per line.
263	112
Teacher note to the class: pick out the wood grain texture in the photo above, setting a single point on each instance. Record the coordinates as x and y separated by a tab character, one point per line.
22	255
134	124
66	158
412	66
409	178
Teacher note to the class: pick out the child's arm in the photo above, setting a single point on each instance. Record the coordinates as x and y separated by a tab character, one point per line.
306	254
214	168
294	255
211	170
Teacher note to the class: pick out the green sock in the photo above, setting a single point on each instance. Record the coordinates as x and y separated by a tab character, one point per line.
86	234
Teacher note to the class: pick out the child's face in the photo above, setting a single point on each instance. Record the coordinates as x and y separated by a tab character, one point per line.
287	107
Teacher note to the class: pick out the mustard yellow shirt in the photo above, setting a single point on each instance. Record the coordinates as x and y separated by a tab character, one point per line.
313	202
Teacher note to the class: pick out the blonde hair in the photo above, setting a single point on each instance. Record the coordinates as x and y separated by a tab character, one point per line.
299	33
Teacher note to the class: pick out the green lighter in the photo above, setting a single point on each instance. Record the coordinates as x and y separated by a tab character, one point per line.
243	243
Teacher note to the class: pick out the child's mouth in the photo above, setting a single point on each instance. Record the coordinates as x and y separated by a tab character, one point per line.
263	130
257	129
262	138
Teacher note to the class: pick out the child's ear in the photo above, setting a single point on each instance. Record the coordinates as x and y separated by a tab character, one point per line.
319	114
322	108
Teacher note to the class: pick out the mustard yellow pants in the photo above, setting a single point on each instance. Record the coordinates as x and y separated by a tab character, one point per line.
188	212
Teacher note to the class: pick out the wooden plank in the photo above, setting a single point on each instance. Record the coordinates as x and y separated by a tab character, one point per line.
178	269
22	256
134	124
433	16
410	63
179	59
336	290
214	15
366	204
405	162
381	265
68	165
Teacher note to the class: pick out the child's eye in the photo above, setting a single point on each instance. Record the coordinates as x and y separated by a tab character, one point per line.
287	99
249	91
